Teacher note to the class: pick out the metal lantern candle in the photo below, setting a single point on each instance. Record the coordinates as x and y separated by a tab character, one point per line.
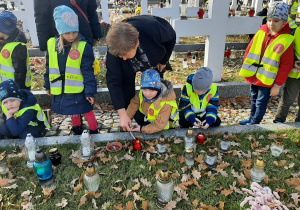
211	158
182	9
30	150
194	59
225	143
43	168
200	138
161	146
87	145
189	140
257	172
184	63
277	148
54	156
164	187
189	157
91	179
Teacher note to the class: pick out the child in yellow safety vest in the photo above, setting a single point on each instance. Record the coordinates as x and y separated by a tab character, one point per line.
199	101
268	60
154	107
14	57
22	114
69	76
292	85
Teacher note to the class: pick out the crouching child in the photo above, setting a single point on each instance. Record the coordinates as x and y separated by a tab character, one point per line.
22	114
154	107
199	101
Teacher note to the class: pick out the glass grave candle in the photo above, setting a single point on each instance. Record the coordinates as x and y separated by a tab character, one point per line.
96	53
196	54
194	59
30	150
189	157
200	13
257	172
251	12
54	156
211	158
43	168
87	145
189	140
200	138
227	52
172	57
137	144
182	10
184	63
161	146
277	148
233	53
225	143
164	188
3	167
91	179
189	54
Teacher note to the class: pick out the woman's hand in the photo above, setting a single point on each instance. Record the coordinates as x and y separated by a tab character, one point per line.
90	99
49	93
160	67
125	121
274	91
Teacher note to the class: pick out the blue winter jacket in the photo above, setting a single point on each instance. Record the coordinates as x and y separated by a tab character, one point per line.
19	127
72	104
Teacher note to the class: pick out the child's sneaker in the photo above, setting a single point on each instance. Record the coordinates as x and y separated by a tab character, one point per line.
244	122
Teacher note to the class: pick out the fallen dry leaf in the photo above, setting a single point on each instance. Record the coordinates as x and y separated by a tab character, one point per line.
118	207
78	187
175	175
136	187
247	163
129	205
226	192
93	194
170	205
221	204
295	197
247	174
151	150
197	184
181	159
281	192
152	162
196	174
118	189
105	160
63	203
295	182
146	182
195	203
144	205
94	203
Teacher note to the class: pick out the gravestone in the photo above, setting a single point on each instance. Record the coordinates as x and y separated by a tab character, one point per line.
216	28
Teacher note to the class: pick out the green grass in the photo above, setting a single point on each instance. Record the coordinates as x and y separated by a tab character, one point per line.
128	170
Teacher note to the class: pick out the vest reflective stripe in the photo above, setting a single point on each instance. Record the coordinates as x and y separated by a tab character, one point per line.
294	8
7	70
270	60
296	73
73	75
292	23
195	101
40	114
152	118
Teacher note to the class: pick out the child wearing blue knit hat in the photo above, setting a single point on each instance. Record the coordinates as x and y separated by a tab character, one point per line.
155	106
69	76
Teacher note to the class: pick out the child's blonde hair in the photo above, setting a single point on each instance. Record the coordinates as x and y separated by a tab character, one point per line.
61	46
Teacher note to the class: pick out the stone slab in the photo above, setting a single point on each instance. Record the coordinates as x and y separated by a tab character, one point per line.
125	136
226	90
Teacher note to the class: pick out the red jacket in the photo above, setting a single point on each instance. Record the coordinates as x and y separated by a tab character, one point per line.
286	59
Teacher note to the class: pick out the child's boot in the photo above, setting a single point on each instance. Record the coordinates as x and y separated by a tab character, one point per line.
77	130
244	122
94	131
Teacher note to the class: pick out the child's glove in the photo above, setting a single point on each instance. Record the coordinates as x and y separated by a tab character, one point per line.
96	66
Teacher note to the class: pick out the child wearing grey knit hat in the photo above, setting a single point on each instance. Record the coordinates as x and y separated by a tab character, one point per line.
199	101
278	10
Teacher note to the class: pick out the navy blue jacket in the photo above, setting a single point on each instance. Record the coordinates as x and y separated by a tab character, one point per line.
19	127
43	12
157	39
72	104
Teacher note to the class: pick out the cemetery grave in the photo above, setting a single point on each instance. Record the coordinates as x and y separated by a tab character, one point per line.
127	178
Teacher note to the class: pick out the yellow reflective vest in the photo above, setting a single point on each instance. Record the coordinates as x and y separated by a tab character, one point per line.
292	23
194	99
296	73
266	70
294	8
73	75
7	70
40	114
152	118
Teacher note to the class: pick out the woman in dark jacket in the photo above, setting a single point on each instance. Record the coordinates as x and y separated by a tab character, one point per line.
136	44
43	12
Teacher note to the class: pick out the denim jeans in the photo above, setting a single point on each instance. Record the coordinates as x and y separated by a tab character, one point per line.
259	100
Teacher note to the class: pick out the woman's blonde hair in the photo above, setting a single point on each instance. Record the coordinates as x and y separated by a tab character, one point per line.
61	46
121	38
